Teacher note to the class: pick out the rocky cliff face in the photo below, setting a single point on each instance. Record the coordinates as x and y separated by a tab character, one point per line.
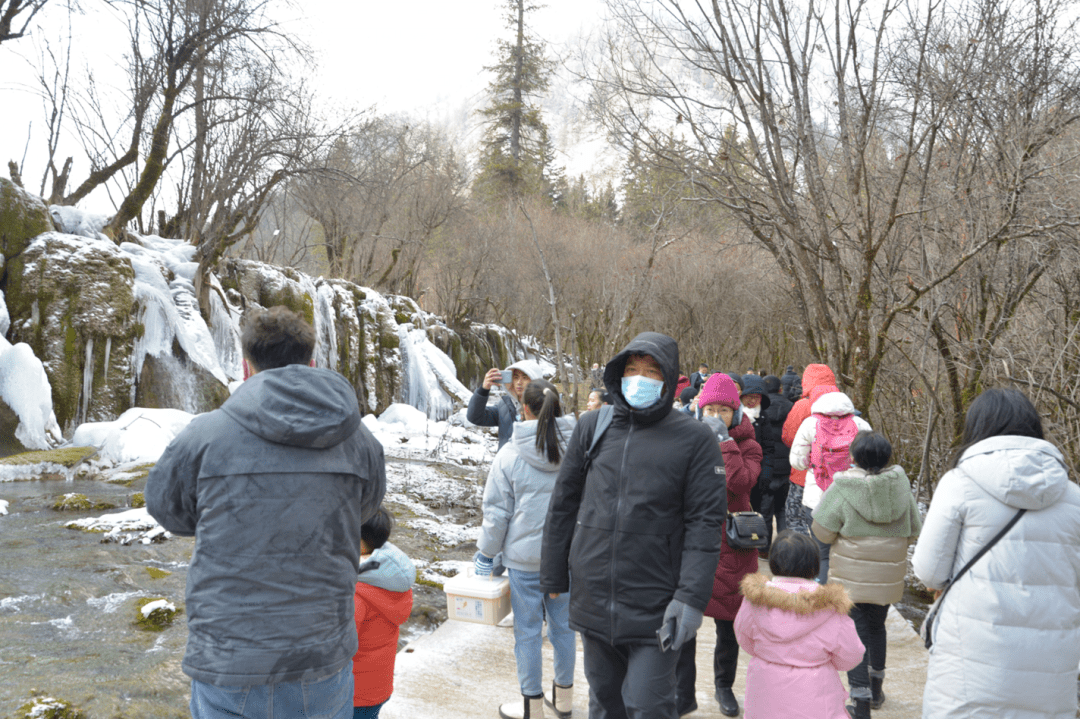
116	326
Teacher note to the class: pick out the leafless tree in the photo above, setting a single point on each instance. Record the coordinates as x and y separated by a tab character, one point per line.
875	150
16	16
381	194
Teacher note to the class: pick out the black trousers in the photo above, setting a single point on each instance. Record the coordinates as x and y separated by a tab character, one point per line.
870	625
629	681
725	665
773	504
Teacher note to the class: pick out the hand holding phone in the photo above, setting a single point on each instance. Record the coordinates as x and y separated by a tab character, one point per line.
507	376
665	635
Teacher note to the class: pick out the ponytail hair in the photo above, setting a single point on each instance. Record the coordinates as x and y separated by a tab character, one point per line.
542	399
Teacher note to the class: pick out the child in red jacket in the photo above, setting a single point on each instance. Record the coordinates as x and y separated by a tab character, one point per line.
383	602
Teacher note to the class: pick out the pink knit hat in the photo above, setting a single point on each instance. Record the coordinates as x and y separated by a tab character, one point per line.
719	389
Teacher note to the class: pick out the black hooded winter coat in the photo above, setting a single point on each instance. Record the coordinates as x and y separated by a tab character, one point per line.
641	524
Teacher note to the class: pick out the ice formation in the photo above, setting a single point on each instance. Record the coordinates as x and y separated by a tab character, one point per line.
25	388
169	314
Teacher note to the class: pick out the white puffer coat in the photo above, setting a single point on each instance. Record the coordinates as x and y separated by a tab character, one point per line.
517	495
1007	636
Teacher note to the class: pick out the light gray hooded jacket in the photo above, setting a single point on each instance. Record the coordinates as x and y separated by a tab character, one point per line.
517	495
388	568
1007	636
274	486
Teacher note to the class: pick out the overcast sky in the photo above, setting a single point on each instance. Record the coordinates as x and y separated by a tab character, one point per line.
398	56
406	55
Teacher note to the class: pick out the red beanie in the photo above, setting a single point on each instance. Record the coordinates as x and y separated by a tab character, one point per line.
684	382
719	389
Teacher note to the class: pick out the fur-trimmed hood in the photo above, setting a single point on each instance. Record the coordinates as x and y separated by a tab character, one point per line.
812	604
802	596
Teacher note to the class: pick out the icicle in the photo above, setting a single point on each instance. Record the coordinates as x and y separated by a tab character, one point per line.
108	349
88	380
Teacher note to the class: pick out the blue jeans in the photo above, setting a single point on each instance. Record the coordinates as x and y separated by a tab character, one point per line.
529	605
325	698
366	712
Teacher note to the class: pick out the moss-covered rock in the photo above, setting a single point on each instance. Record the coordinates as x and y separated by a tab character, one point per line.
72	300
158	388
65	456
74	502
9	422
138	500
46	707
155	614
156	573
22	218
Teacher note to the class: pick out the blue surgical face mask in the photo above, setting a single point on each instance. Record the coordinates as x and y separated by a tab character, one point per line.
641	392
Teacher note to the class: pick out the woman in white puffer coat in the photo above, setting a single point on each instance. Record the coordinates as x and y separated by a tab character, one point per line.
1007	636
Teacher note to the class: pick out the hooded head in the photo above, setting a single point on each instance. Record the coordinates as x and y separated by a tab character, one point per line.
737	379
665	351
753	384
814	375
772	384
687	395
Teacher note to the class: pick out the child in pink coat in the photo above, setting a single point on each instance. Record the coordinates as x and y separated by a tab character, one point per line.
799	635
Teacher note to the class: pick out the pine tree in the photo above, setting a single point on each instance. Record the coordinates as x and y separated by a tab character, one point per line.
517	155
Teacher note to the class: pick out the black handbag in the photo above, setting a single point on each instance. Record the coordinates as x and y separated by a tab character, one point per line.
746	530
927	630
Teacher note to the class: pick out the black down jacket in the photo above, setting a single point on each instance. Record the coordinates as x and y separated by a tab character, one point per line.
642	523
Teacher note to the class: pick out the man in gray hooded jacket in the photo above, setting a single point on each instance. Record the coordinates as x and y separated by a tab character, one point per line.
274	486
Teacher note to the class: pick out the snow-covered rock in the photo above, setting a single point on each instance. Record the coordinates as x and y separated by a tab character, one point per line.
122	326
139	435
132	526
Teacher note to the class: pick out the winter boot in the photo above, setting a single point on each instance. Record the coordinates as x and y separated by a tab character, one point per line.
526	708
729	705
560	700
860	697
877	677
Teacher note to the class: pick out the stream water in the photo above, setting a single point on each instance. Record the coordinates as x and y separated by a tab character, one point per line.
67	608
68	601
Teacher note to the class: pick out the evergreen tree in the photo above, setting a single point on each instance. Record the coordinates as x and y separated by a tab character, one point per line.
517	155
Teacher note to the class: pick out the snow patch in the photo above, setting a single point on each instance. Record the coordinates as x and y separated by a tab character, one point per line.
149	607
3	507
73	221
139	435
45	706
442	570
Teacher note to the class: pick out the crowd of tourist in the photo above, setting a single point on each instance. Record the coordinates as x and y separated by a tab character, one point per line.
623	526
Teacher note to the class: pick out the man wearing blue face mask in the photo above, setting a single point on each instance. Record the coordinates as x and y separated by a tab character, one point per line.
634	527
